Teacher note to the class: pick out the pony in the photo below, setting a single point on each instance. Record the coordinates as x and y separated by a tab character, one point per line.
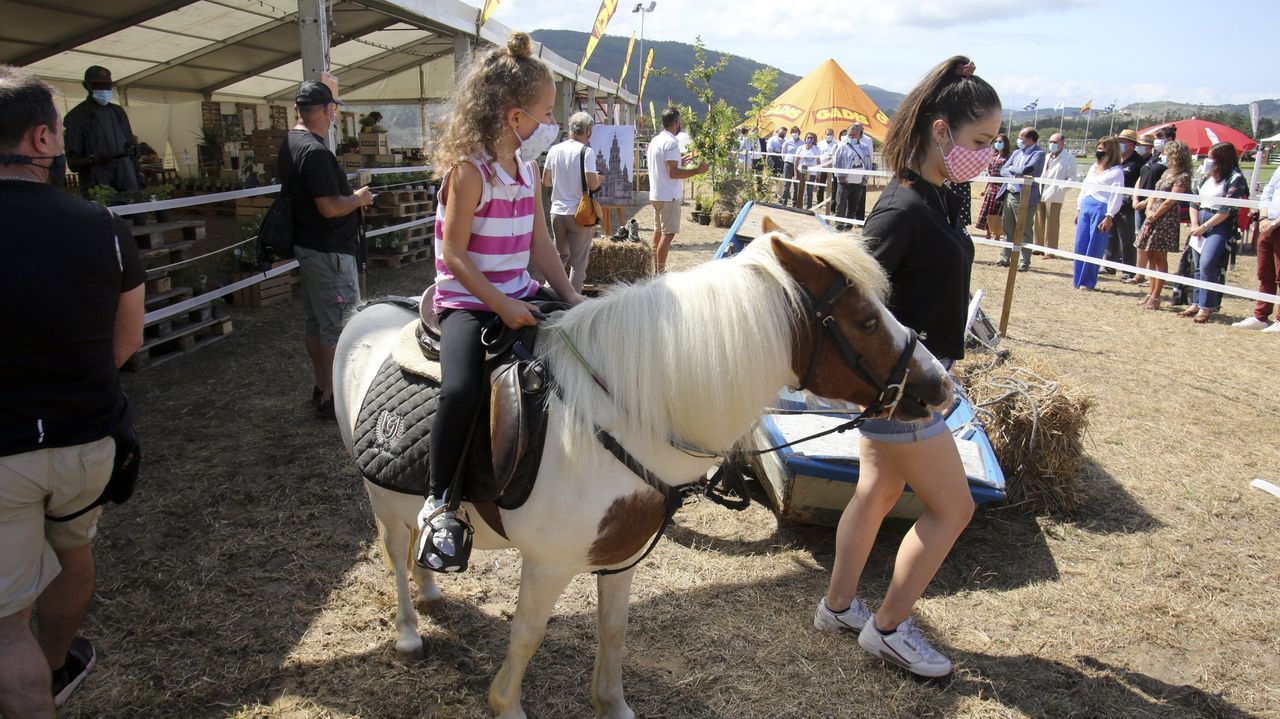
690	359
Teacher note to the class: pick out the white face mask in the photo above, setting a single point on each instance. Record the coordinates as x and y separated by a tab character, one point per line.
532	147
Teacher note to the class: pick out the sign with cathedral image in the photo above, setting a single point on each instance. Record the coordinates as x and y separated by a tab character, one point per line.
615	161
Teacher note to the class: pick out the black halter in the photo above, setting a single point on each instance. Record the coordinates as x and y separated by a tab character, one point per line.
893	388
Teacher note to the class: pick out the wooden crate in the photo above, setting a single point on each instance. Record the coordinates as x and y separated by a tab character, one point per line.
267	292
400	259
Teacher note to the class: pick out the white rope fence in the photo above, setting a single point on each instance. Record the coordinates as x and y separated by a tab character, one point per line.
1225	289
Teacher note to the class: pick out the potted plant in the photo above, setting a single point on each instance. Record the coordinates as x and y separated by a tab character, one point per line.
104	195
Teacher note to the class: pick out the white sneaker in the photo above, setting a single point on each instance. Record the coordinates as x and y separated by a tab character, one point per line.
1251	323
850	620
1274	327
905	647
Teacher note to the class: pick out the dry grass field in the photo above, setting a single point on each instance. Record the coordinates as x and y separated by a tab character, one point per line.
244	580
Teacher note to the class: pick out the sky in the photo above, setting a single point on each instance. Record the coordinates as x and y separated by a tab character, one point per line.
1054	50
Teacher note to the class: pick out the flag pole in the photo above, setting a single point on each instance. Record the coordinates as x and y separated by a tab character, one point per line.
1088	118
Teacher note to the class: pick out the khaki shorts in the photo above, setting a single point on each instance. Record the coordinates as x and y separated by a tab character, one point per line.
666	216
34	486
330	286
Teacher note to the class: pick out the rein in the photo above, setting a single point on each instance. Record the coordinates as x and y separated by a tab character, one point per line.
891	392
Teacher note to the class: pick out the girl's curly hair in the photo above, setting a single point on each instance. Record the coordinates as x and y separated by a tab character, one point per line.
503	78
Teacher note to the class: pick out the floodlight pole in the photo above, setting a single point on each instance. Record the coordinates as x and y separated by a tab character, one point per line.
643	10
313	30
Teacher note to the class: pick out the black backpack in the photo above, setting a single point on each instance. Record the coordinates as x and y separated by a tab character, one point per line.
275	234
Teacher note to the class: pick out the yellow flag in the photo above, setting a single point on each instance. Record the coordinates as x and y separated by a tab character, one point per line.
644	78
653	117
489	7
1087	107
626	64
607	8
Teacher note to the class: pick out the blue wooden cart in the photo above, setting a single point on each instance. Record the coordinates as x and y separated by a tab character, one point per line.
813	481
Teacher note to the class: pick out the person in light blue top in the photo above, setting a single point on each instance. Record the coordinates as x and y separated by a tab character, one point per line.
1027	160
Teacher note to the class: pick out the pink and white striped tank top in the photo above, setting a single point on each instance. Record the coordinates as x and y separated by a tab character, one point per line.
501	234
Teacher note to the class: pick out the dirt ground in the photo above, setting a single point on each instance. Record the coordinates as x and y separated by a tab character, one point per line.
244	580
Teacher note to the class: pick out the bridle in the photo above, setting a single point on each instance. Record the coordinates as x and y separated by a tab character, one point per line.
891	389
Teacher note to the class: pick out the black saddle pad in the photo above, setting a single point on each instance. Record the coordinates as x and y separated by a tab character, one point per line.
393	428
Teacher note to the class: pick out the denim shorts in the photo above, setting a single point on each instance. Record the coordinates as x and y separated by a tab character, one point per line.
892	431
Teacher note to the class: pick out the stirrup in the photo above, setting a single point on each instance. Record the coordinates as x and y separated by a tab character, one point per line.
445	544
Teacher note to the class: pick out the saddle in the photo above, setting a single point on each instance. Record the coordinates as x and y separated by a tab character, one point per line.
506	440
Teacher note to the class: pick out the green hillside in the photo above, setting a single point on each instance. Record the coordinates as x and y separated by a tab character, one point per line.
677	57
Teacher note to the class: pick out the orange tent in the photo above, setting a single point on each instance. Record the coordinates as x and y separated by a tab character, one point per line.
825	98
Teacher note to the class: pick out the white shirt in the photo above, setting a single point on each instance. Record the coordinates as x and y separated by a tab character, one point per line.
789	148
1095	184
662	188
566	177
807	157
1270	200
684	141
1061	167
828	148
774	145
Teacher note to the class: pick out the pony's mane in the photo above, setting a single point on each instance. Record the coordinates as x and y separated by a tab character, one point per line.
694	354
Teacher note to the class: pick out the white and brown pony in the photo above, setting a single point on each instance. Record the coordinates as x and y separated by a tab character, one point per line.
692	356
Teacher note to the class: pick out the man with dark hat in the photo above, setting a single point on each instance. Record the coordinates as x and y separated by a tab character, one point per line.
1120	247
326	231
100	141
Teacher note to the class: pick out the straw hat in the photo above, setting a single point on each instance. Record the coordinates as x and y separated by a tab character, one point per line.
1128	135
1147	139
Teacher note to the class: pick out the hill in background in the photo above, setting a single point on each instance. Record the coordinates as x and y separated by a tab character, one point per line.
733	84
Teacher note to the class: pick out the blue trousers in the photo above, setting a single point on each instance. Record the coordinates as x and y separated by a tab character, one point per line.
1213	262
1089	241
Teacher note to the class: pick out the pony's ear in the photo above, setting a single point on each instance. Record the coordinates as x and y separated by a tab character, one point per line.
798	262
768	225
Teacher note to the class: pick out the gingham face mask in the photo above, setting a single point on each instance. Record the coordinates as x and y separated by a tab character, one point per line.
963	164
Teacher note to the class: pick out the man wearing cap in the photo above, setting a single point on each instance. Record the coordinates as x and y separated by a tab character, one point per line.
1149	174
100	141
326	232
1120	246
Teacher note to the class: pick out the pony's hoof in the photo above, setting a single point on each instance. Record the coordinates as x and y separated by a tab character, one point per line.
411	653
430	606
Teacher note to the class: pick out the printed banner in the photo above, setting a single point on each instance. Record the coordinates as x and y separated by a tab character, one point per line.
626	64
644	79
489	7
653	117
607	9
1255	116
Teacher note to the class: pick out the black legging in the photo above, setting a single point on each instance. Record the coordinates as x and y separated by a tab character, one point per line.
461	362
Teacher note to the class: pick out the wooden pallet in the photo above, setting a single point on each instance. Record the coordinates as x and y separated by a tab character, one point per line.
398	260
253	206
164	298
166	254
171	326
190	336
155	235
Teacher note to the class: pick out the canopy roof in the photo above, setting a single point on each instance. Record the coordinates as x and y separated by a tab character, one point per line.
247	49
1200	135
826	98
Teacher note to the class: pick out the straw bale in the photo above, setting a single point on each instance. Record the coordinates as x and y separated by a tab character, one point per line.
612	262
1036	424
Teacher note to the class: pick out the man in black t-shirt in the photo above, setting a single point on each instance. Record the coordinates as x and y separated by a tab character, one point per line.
71	296
326	232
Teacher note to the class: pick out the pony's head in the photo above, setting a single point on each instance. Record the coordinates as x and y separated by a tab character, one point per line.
847	345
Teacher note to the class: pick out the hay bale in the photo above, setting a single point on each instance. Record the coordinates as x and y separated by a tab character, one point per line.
723	218
1036	424
612	262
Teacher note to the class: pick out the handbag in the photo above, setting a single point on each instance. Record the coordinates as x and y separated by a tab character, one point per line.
589	211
